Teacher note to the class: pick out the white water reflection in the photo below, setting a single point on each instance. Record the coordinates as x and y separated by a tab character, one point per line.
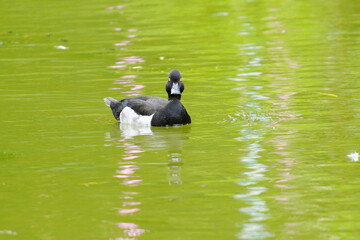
174	168
256	209
129	131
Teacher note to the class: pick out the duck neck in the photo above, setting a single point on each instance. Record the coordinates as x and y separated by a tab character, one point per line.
174	97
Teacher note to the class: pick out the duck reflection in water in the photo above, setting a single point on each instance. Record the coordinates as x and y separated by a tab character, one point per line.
135	142
147	139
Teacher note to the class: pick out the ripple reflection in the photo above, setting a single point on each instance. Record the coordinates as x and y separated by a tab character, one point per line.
128	166
256	208
136	143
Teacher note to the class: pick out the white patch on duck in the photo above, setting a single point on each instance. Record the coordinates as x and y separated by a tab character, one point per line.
129	116
175	89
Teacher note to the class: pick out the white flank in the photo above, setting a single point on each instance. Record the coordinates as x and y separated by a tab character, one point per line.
129	116
175	89
354	157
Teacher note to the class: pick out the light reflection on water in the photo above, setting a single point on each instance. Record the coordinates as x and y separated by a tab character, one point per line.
134	145
256	209
127	175
254	227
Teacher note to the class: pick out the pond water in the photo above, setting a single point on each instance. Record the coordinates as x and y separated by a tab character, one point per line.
272	88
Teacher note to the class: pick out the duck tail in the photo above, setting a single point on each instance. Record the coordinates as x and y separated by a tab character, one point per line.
109	100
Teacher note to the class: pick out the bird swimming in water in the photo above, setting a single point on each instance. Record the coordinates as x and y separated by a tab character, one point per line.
153	111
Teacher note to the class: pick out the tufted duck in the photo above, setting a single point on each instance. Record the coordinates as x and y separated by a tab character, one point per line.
154	111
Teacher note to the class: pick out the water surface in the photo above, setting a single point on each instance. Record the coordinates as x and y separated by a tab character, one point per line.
272	89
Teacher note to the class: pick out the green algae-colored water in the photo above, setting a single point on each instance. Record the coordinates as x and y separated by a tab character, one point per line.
272	88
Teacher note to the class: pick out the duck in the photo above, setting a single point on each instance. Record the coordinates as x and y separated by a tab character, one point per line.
151	110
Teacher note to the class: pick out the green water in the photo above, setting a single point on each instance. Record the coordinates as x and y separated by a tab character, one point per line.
272	88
